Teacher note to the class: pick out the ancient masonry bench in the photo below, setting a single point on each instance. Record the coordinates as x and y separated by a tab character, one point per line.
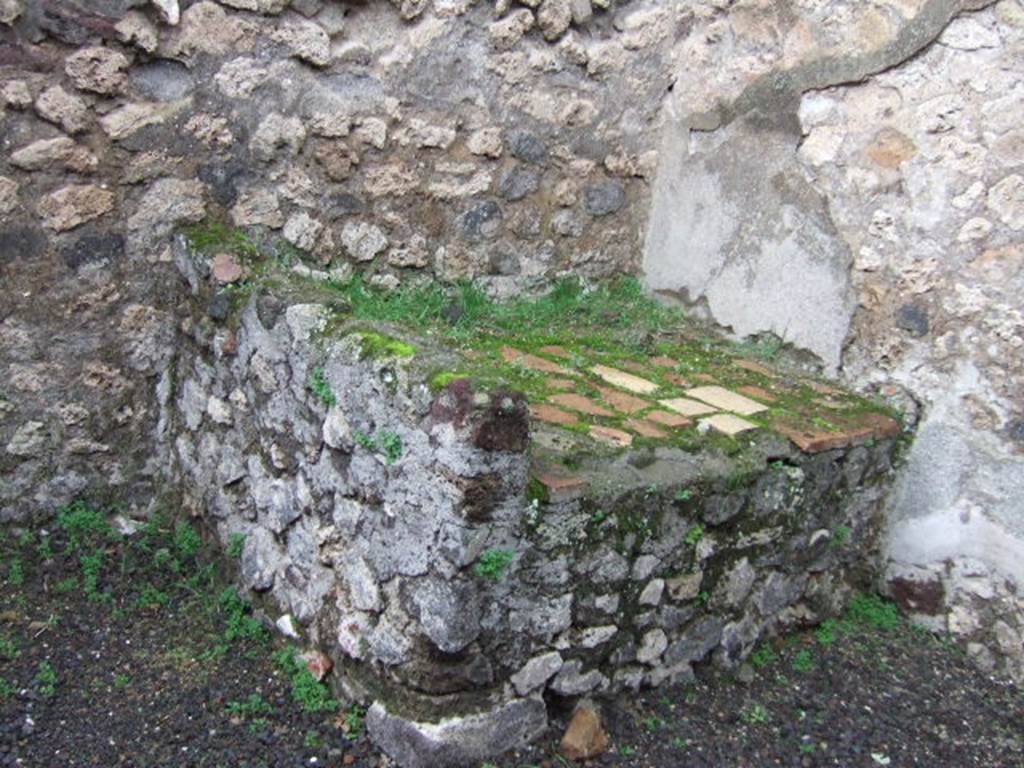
470	532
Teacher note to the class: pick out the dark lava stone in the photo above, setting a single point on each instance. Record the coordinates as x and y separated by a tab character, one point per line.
92	248
482	221
21	244
527	147
913	318
604	198
219	307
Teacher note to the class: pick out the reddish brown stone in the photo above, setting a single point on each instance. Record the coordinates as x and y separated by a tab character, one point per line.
561	487
516	357
585	738
666	419
226	268
612	436
229	344
579	403
632	365
318	663
822	389
914	596
505	424
663	362
556	351
707	378
678	380
620	401
750	365
551	415
758	394
645	428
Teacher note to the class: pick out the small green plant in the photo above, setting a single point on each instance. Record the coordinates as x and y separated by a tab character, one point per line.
235	545
828	632
703	597
237	615
652	724
122	680
391	445
308	692
694	535
840	536
364	440
258	725
9	648
253	705
627	751
683	494
92	565
680	743
6	689
803	661
46	679
64	586
493	563
320	387
875	613
355	721
763	656
84	524
757	714
151	597
313	740
186	539
45	548
16	572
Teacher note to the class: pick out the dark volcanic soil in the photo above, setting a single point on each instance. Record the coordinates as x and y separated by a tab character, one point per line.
138	657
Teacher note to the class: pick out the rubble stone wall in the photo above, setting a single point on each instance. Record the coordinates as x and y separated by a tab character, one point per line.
404	530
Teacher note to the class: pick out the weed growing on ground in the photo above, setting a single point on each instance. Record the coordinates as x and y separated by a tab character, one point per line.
255	704
122	680
308	692
46	679
803	661
9	648
840	536
763	656
756	714
6	689
355	721
493	564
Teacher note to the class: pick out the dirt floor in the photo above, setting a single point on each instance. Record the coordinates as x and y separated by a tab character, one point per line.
133	651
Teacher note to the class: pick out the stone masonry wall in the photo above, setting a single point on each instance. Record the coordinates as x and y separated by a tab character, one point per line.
722	148
369	502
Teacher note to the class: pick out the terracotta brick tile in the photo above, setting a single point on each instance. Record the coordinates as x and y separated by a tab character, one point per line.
663	362
758	394
557	384
707	378
813	440
579	403
620	401
556	351
611	436
647	429
726	400
678	380
517	357
750	365
821	389
674	420
551	415
625	380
